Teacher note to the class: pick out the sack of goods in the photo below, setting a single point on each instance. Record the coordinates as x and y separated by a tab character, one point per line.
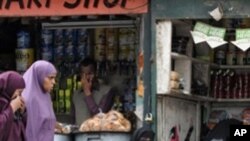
112	121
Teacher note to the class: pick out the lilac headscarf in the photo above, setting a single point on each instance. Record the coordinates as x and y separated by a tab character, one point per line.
41	118
10	130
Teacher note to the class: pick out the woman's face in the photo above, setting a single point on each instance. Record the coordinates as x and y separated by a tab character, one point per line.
49	83
17	93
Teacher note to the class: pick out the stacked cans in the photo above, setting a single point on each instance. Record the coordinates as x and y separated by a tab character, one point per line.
82	49
58	45
127	42
100	44
64	45
47	45
70	43
111	42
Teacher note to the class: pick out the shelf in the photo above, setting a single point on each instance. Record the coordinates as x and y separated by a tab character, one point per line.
191	97
233	100
181	95
195	60
179	56
90	24
234	66
200	61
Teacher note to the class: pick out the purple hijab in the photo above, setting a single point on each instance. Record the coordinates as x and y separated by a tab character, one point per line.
40	115
10	129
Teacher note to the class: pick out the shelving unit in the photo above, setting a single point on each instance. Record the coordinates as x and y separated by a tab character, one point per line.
193	97
190	69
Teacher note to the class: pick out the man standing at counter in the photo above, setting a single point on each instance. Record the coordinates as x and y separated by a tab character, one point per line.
93	97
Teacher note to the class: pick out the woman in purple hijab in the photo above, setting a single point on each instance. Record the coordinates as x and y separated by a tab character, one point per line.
39	80
12	122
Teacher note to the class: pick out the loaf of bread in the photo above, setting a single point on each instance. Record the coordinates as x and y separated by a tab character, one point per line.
112	121
174	76
174	84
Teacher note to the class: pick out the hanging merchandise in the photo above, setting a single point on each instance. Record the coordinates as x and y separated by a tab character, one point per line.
24	54
100	44
58	54
131	44
100	51
82	44
242	39
123	50
58	46
123	43
58	37
70	42
111	42
200	32
216	36
47	45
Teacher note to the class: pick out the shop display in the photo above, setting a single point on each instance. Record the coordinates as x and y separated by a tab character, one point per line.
229	84
113	49
24	53
65	40
112	121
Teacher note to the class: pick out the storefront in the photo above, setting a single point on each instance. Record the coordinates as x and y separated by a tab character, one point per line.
186	88
65	32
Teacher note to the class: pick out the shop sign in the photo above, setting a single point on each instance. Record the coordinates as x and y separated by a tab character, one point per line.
216	36
71	7
242	39
200	32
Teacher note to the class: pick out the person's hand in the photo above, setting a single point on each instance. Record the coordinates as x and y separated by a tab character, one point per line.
22	108
87	84
17	103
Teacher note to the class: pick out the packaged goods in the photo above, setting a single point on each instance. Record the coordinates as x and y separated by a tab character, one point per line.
59	37
23	39
47	37
82	48
112	121
100	36
24	58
